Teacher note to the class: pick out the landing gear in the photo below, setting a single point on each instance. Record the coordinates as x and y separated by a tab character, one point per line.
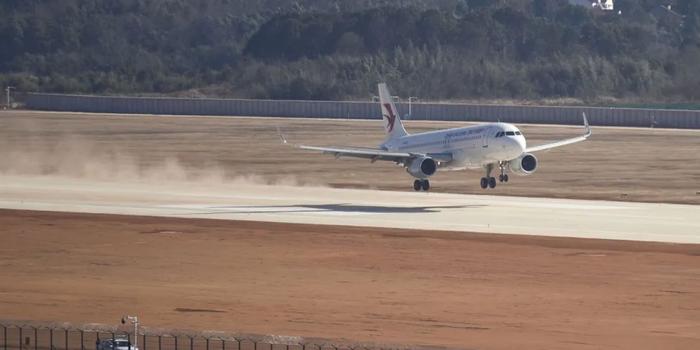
503	177
484	183
489	181
421	184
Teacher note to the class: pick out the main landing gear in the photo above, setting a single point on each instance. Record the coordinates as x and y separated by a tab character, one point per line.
490	181
421	184
487	182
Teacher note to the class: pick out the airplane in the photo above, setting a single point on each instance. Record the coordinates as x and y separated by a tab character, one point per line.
487	146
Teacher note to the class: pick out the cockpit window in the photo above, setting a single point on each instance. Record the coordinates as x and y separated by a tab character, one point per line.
518	133
499	134
510	133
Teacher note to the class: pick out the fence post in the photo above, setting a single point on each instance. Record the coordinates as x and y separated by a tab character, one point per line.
36	338
207	343
21	341
50	338
66	339
82	339
191	343
144	342
160	337
223	344
176	343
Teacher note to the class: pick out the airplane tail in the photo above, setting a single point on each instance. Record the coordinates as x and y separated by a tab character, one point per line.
393	127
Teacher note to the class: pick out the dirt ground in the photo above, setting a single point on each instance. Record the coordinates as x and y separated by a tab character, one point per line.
358	284
615	164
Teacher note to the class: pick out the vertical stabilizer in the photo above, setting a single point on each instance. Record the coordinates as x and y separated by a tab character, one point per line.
393	128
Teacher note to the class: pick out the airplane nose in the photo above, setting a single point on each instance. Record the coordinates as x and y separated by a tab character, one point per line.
517	145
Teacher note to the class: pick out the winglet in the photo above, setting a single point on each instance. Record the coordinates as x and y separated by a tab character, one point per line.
282	138
586	125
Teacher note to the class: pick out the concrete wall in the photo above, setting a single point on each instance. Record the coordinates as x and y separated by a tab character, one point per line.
680	119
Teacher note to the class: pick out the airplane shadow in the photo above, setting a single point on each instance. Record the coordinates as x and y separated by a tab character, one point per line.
337	207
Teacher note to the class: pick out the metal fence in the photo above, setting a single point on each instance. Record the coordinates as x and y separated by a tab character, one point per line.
630	117
34	336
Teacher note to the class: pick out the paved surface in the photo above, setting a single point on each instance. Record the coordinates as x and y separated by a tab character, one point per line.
318	205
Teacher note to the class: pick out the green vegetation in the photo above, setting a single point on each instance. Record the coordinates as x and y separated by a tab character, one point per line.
460	49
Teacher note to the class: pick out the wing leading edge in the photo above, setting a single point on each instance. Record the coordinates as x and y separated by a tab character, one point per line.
565	142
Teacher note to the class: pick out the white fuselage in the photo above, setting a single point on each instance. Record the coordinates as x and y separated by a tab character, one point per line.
470	147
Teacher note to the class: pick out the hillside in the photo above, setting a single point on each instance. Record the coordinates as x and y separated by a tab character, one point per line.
462	49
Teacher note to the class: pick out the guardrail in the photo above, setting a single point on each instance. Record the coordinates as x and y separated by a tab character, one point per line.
627	117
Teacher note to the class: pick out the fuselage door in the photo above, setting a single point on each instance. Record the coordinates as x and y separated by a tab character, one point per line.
485	139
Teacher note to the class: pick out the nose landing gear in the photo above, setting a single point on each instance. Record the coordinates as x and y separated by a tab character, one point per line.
421	184
503	177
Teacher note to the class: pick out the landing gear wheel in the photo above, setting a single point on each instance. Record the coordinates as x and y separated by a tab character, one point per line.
417	185
500	178
426	185
484	183
505	178
492	182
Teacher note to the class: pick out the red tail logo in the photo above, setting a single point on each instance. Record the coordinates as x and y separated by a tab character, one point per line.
391	118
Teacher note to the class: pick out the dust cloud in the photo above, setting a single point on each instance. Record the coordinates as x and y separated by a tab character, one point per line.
81	157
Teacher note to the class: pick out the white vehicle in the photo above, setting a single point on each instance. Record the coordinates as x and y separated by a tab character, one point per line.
115	344
489	146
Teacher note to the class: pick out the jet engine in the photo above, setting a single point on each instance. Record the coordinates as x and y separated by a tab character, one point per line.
422	167
526	164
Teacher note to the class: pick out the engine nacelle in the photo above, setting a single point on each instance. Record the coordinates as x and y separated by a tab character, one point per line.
422	167
526	164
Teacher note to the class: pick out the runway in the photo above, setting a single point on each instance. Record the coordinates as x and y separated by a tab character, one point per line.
328	206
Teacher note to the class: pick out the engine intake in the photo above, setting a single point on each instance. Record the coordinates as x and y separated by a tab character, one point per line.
526	164
422	167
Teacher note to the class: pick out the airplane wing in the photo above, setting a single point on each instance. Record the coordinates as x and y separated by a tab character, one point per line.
564	142
374	154
369	153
